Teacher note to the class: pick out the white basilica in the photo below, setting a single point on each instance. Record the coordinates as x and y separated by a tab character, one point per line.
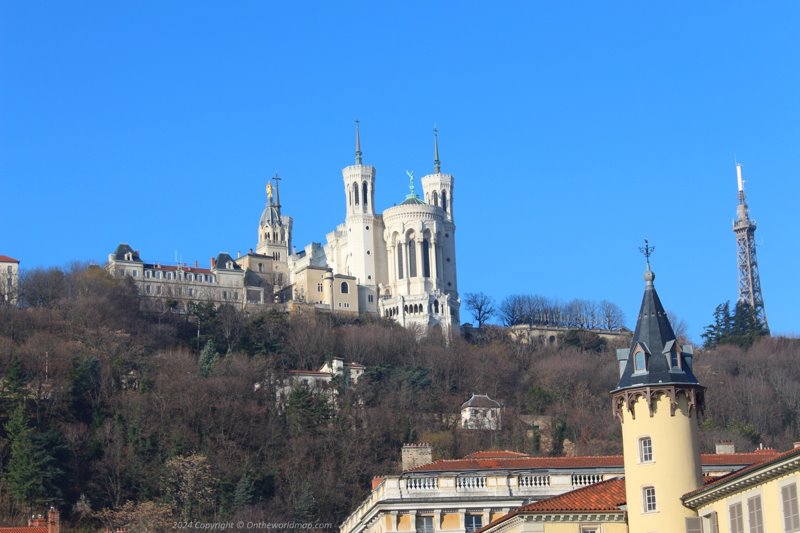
399	264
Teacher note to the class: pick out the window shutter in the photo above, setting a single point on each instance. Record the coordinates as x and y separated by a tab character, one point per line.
693	525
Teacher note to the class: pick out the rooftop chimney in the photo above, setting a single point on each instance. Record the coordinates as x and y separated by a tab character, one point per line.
414	455
53	521
725	446
213	262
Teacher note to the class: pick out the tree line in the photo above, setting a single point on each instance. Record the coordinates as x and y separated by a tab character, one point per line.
537	310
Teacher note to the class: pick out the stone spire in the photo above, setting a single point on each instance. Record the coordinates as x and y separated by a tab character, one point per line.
437	166
358	142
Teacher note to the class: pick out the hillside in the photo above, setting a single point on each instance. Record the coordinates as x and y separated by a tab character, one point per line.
103	404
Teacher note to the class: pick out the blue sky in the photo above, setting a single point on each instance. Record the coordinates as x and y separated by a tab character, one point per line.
573	129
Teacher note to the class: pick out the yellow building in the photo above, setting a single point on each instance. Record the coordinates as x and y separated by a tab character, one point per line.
758	499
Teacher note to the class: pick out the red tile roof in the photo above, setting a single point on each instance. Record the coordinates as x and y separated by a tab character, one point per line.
477	461
770	457
604	497
6	259
494	454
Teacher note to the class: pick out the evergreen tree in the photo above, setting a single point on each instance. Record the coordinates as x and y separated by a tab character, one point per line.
740	327
244	494
26	465
15	379
208	358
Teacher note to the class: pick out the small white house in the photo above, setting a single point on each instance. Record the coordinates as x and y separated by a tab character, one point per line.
480	412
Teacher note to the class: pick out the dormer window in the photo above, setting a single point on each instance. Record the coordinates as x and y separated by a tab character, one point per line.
674	358
229	265
128	256
639	361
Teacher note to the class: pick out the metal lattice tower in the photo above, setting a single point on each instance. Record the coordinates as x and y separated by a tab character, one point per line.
745	229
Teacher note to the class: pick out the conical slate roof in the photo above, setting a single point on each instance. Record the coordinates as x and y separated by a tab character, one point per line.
665	361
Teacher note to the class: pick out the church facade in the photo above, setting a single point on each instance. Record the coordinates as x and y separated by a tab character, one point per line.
399	264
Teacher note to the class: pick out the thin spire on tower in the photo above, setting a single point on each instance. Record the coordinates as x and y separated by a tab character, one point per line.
358	142
277	178
437	166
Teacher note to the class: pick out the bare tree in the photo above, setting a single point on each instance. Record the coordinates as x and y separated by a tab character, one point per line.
611	316
512	310
679	327
481	306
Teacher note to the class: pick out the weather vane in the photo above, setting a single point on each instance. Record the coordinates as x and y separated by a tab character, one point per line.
647	250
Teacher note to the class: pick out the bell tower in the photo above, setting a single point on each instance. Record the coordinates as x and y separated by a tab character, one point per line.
274	229
438	190
657	401
438	187
363	229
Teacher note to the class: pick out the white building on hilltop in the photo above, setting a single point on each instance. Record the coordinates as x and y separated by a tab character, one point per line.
402	262
399	264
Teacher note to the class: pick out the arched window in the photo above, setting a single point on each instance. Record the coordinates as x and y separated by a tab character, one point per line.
283	235
345	288
436	198
426	259
355	192
444	201
412	258
399	261
436	306
364	191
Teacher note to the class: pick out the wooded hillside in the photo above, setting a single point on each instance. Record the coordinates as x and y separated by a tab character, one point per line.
103	405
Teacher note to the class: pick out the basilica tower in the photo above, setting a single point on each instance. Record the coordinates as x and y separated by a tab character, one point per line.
364	230
438	192
657	402
274	229
419	238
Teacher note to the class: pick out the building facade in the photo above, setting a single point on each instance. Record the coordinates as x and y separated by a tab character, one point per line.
399	264
463	495
9	280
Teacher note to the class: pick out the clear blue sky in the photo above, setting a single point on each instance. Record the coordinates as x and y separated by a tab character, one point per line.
573	129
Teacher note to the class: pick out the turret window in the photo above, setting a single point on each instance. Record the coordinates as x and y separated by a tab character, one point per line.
674	359
355	192
345	288
364	192
649	499
444	201
645	450
639	361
